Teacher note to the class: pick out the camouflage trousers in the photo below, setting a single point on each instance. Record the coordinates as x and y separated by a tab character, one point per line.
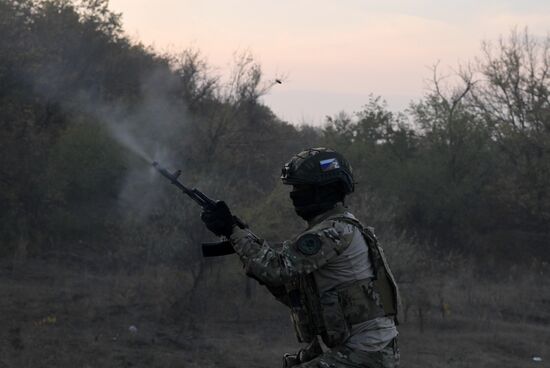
342	357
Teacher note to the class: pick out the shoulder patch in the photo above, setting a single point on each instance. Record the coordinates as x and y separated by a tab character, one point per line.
309	244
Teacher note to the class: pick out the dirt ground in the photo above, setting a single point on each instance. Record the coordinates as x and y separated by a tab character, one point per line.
53	316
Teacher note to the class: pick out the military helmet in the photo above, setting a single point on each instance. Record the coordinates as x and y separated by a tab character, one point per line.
318	167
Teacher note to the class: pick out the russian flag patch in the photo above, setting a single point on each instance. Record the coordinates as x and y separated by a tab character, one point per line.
329	164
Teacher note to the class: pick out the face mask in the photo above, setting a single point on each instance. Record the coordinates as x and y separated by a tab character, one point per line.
311	202
301	198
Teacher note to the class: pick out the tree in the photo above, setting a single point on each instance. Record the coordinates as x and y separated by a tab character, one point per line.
513	97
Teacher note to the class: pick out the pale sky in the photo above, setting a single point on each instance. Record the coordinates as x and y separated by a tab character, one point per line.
334	53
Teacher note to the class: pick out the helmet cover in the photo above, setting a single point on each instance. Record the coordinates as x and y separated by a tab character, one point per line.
318	167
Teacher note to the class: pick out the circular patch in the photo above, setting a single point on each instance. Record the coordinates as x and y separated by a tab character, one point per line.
309	244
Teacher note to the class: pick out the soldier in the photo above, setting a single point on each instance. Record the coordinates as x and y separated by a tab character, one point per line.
333	276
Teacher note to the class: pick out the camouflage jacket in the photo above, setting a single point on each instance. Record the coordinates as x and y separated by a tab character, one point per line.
324	275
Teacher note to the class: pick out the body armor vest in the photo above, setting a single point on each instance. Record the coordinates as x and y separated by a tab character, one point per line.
332	314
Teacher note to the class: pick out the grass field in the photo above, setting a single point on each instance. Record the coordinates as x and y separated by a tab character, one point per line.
59	315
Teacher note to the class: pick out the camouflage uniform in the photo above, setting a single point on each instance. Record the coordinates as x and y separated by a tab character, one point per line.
336	282
343	356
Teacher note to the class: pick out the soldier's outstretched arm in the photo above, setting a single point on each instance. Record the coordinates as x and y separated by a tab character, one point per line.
308	252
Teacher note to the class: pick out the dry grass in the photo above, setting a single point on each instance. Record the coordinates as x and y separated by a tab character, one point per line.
63	315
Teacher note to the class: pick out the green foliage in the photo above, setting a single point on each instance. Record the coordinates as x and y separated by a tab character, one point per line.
466	167
83	179
446	173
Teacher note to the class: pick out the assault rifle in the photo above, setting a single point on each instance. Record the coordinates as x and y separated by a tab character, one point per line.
221	248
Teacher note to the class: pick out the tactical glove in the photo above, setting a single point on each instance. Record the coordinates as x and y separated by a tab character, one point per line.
218	219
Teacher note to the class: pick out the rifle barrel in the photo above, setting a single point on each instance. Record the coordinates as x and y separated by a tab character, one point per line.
202	200
221	248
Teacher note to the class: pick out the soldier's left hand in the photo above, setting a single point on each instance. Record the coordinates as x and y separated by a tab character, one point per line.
219	219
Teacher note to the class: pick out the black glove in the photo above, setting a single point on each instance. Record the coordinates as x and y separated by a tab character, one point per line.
219	219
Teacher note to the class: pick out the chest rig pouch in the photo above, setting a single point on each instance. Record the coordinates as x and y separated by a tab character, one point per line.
384	287
332	314
305	310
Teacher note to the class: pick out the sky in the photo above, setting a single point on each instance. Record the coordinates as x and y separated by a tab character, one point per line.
333	54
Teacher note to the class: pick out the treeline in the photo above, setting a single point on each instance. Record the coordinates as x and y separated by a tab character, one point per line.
465	169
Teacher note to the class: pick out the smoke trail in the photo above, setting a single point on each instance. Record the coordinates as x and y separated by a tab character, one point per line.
153	130
148	129
122	136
